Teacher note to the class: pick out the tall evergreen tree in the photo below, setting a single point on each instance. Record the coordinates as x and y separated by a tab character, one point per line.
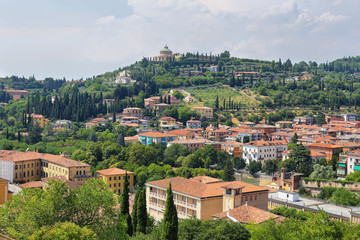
217	103
141	212
170	221
134	211
229	171
121	140
124	207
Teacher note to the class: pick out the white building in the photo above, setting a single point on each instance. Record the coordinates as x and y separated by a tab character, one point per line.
350	117
263	150
193	123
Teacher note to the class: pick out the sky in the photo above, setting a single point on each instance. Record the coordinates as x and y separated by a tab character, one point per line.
82	38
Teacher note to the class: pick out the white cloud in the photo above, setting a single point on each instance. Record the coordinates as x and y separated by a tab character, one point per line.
255	29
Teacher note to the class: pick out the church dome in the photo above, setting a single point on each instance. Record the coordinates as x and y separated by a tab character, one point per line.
166	51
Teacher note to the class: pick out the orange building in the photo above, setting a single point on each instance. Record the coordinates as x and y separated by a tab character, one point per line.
202	196
326	148
115	178
233	148
17	94
4	191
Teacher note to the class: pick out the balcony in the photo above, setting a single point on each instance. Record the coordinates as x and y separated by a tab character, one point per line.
154	194
185	204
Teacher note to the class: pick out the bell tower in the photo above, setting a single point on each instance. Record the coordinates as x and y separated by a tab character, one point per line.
232	195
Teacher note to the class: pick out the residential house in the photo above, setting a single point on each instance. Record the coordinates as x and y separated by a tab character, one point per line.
233	148
147	138
160	108
303	120
149	103
191	144
201	197
168	123
115	177
40	119
182	134
284	124
249	135
348	163
263	150
193	123
326	148
217	135
206	112
17	94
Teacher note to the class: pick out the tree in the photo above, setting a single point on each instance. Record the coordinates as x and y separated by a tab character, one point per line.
141	212
354	177
246	139
134	211
294	139
92	137
271	166
34	133
323	161
217	103
345	197
124	207
62	231
254	167
322	172
239	162
178	95
120	140
229	171
320	118
303	161
170	221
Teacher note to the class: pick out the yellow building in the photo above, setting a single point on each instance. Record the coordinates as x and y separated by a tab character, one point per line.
168	122
4	191
115	177
32	166
204	111
203	196
39	119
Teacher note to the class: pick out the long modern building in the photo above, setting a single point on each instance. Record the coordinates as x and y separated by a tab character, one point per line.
203	196
32	166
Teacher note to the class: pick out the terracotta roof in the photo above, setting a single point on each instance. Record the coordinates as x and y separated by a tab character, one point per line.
285	122
249	215
233	185
205	179
325	145
347	144
71	184
179	132
261	143
354	153
168	119
156	134
316	154
220	131
60	160
201	190
99	120
113	171
190	141
36	184
193	121
232	143
264	126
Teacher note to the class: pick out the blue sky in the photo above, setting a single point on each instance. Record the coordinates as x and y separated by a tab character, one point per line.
82	38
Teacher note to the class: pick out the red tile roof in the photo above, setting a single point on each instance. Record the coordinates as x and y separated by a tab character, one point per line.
26	156
113	171
201	190
36	184
325	145
261	143
179	132
156	134
248	215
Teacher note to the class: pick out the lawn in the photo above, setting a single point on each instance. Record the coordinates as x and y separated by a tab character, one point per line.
207	96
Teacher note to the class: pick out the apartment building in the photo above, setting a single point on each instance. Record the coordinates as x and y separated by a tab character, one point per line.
326	148
203	196
191	144
233	148
115	178
204	111
32	166
263	150
148	138
193	124
132	112
348	163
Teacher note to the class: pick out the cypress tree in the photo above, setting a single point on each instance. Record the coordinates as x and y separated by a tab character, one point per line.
134	211
229	171
217	103
141	212
124	207
170	222
121	140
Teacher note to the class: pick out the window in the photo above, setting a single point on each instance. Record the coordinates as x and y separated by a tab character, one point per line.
109	185
77	172
119	191
123	177
128	177
32	165
114	184
32	173
37	172
20	166
16	167
15	175
114	178
24	174
28	165
109	178
28	173
24	166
